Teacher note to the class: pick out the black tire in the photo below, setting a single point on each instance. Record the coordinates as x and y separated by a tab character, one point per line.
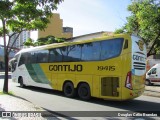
69	90
84	91
21	82
148	83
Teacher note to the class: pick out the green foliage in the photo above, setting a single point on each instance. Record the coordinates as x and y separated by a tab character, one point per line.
21	15
27	14
44	41
145	22
9	93
29	42
1	32
48	40
120	30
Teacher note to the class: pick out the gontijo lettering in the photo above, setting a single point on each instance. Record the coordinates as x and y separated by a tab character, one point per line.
139	58
71	68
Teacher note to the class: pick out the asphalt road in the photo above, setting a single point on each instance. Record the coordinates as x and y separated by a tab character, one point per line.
55	101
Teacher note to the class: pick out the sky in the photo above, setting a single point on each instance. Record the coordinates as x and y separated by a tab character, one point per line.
89	16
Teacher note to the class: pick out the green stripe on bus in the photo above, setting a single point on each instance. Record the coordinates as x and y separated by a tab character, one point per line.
40	74
36	73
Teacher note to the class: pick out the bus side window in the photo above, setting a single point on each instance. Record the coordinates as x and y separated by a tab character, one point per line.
111	48
74	53
55	55
87	52
63	54
42	56
91	51
96	51
33	57
27	58
58	55
22	60
126	44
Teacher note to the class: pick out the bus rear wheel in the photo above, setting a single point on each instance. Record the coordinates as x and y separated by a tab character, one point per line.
21	82
69	90
84	91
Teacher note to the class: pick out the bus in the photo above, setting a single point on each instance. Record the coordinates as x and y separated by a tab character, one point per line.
109	67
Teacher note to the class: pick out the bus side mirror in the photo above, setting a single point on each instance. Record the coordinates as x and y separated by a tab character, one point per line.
149	73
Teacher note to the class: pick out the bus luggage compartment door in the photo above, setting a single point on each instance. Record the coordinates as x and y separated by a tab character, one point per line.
109	86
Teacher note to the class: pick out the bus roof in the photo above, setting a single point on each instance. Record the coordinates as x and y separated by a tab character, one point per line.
67	43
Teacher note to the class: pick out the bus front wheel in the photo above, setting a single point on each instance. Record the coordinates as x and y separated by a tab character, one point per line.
69	90
21	82
84	91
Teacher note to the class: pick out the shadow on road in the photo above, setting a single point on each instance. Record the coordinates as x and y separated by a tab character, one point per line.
135	105
2	76
155	85
130	105
43	90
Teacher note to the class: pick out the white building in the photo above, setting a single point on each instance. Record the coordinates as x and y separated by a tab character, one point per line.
90	36
20	40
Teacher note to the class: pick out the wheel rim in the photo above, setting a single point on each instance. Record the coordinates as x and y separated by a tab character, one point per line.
68	90
84	91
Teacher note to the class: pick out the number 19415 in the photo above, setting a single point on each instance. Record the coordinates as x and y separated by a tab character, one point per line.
106	68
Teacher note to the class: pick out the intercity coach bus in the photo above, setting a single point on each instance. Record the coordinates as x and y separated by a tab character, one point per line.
110	67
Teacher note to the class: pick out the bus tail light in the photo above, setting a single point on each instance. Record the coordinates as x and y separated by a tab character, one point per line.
128	83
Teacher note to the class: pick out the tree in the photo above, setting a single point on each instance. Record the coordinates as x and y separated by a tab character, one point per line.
145	22
44	41
48	40
120	30
29	42
22	15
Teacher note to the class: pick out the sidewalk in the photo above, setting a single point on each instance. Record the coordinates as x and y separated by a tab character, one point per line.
19	108
16	108
27	110
9	103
